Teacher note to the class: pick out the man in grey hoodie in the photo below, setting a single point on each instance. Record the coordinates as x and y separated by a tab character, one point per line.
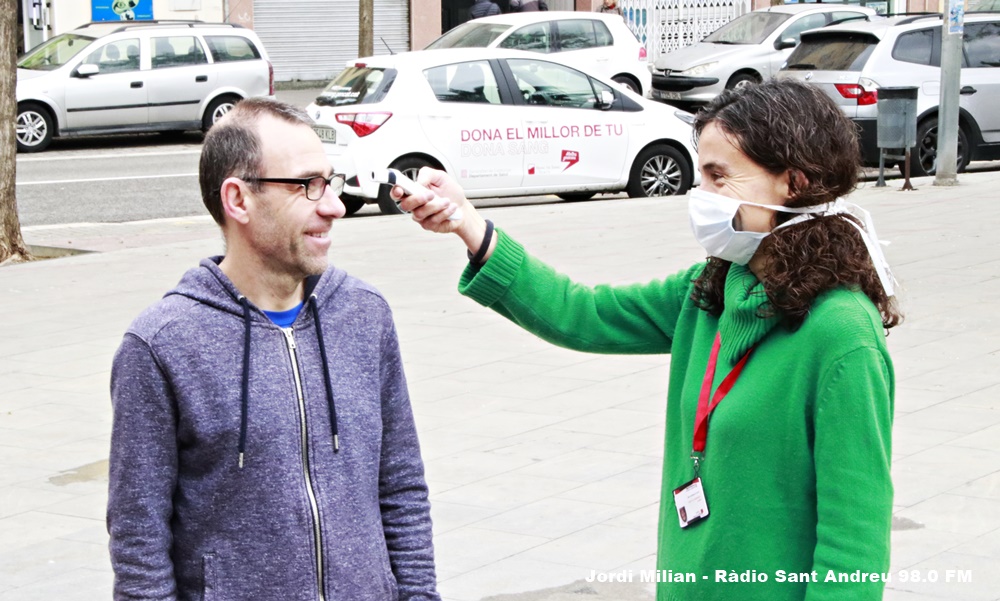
263	445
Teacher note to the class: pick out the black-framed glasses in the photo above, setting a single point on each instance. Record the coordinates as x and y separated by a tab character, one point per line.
314	186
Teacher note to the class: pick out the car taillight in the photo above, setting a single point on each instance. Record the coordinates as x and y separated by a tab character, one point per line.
270	78
642	53
853	90
363	123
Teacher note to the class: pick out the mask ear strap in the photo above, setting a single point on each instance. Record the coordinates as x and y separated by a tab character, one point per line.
868	236
874	249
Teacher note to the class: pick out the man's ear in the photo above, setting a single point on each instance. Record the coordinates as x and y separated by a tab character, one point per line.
234	200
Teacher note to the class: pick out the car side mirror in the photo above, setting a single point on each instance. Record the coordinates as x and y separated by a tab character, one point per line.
86	70
785	43
606	100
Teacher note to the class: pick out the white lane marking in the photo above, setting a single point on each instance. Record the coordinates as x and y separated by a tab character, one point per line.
189	220
119	155
103	179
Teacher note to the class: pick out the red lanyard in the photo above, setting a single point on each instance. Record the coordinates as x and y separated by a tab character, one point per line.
705	408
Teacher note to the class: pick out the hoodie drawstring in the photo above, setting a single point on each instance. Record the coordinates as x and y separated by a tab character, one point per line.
245	389
326	373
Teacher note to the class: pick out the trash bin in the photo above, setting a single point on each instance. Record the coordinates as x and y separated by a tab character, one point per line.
897	117
896	129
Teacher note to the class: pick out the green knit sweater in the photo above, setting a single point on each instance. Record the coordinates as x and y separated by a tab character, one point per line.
796	468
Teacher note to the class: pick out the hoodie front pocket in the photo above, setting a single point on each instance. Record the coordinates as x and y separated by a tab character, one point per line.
208	577
389	580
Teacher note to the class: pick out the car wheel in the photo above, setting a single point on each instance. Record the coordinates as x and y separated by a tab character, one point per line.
628	82
923	158
742	80
216	110
352	203
576	196
33	128
659	170
410	167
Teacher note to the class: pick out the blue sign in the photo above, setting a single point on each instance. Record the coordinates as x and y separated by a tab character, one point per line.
121	10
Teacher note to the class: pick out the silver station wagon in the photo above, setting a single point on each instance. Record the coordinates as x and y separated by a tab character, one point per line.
105	78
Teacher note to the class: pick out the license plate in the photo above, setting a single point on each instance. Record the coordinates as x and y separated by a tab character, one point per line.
327	134
666	95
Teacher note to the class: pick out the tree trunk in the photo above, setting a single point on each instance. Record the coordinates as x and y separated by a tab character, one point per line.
12	247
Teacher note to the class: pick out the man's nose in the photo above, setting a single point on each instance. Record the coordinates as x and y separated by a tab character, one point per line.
330	205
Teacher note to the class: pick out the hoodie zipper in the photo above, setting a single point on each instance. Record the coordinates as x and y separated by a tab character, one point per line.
304	444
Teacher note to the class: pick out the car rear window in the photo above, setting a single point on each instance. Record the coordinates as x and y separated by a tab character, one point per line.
359	84
464	82
469	35
576	34
229	48
177	51
536	37
982	44
921	47
832	52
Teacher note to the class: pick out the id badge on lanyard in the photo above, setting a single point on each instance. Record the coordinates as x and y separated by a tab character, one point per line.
692	505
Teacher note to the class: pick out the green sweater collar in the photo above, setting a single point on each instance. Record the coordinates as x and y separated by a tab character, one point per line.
740	323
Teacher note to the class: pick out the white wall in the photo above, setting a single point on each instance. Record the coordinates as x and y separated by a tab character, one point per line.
70	14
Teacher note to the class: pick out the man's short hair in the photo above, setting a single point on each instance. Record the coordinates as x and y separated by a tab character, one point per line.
233	148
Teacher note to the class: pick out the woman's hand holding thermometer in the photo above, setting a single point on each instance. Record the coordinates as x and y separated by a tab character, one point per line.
394	177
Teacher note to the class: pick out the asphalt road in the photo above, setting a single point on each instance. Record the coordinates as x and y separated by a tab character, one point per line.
113	179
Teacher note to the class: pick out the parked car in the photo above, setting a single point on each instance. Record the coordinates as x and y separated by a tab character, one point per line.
504	123
105	78
600	43
748	49
850	62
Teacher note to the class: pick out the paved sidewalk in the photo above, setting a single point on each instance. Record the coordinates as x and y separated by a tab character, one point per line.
543	464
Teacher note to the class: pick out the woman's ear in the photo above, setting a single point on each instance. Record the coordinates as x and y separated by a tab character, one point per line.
234	200
797	183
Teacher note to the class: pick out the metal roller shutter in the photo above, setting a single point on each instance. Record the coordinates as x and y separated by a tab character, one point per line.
392	23
313	39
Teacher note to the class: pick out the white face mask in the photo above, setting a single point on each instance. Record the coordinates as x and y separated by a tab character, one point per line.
712	223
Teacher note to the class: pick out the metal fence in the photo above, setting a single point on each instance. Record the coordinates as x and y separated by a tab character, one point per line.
665	25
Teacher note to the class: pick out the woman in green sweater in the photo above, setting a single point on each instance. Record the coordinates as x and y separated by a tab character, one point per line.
779	337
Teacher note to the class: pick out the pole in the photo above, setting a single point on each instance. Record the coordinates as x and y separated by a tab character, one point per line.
366	34
951	80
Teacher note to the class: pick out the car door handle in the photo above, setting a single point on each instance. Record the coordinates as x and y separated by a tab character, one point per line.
968	90
201	78
135	84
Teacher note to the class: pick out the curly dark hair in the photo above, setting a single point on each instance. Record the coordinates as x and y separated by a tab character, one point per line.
785	125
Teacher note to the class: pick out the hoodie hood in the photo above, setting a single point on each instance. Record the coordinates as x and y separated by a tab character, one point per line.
207	284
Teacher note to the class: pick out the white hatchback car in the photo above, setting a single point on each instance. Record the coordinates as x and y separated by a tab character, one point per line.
600	43
748	49
504	123
115	77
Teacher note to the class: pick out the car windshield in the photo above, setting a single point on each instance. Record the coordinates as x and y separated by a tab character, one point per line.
354	85
470	35
751	28
54	53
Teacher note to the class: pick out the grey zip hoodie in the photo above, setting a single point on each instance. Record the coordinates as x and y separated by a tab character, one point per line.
203	381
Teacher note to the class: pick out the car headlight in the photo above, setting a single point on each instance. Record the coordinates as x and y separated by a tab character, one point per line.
700	70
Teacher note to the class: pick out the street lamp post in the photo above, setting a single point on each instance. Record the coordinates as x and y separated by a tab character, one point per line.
951	80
